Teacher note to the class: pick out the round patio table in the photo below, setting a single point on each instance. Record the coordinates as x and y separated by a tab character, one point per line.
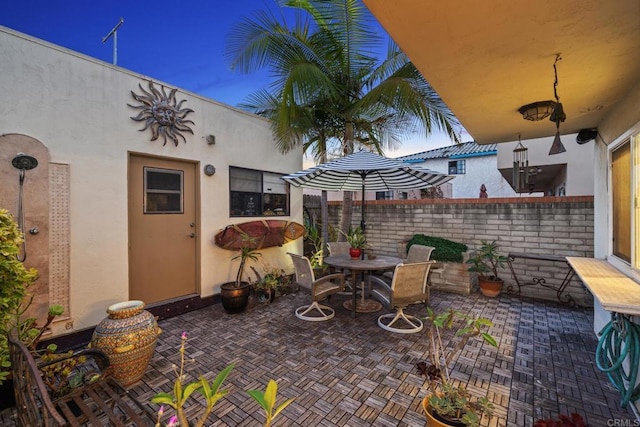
379	263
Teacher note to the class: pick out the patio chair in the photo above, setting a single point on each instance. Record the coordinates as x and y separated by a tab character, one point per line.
321	289
341	248
417	253
408	286
338	248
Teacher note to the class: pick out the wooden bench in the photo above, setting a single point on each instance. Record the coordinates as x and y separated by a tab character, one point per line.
94	402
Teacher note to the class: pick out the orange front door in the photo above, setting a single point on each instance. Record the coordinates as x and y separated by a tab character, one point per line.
162	229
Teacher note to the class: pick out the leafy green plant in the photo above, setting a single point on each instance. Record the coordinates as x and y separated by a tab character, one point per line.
267	401
247	252
487	259
356	238
274	279
211	392
14	297
445	250
313	236
449	401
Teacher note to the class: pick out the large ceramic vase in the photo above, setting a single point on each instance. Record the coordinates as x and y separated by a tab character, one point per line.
128	335
235	298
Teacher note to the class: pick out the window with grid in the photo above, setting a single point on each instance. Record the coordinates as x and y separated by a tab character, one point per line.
257	193
457	167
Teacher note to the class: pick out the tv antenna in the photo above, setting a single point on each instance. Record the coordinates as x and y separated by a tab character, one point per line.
114	33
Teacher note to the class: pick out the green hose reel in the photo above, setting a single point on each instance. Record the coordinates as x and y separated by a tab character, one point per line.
620	341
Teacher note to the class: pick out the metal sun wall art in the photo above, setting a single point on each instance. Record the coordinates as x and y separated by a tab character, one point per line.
162	113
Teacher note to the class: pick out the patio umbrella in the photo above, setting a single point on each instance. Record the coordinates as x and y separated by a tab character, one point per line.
365	170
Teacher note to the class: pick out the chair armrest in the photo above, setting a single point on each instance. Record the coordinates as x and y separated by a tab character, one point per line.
330	277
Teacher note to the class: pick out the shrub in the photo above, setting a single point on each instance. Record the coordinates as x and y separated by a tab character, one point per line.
445	250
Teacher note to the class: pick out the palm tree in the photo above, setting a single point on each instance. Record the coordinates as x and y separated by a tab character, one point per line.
330	92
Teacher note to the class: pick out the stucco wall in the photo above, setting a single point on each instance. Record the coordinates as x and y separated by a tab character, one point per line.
536	225
77	108
622	122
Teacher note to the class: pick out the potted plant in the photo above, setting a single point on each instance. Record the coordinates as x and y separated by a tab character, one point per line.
447	404
235	295
269	285
358	241
485	263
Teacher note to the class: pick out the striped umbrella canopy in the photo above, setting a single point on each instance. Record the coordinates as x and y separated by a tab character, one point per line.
365	170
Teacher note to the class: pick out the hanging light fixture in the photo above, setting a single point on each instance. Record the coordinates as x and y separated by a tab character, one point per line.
520	167
537	110
558	114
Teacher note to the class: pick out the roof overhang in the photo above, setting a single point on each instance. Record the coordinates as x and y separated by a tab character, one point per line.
487	59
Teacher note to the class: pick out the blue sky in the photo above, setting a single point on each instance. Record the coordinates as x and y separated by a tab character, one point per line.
178	42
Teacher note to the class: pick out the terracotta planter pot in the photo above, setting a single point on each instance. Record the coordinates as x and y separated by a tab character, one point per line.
490	287
436	421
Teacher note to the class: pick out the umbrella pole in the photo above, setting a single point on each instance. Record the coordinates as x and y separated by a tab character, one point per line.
363	225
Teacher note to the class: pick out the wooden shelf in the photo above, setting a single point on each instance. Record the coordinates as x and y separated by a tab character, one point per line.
614	290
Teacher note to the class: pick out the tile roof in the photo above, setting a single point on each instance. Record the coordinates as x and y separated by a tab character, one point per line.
465	149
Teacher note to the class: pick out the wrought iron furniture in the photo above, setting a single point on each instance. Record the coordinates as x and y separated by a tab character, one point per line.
321	289
407	287
540	281
99	399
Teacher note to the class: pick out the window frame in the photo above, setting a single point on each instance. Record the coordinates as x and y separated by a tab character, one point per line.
260	210
146	190
461	167
630	268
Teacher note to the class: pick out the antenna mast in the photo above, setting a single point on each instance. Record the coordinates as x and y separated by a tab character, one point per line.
114	33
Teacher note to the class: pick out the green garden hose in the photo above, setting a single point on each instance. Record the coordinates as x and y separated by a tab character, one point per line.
620	340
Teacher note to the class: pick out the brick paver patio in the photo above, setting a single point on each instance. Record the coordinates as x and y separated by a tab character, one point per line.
350	372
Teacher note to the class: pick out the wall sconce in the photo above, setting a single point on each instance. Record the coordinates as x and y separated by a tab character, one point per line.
209	170
537	110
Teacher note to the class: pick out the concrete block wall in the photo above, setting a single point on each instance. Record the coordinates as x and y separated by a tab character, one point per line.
535	225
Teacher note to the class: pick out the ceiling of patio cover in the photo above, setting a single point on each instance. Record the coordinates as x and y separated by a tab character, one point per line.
374	172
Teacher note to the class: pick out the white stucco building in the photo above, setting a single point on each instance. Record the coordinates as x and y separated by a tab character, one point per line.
120	209
472	165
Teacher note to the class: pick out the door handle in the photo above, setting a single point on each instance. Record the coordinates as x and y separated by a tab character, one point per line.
192	235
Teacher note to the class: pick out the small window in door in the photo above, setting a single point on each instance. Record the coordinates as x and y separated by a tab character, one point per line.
163	189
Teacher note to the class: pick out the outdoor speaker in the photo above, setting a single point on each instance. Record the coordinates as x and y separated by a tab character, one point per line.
586	135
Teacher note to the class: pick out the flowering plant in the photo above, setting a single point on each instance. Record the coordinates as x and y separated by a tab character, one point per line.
210	391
